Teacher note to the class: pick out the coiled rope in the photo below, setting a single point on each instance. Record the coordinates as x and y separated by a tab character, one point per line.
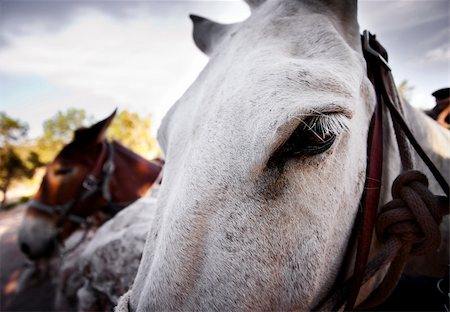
407	226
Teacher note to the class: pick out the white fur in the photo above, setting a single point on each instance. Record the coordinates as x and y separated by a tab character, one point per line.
110	261
98	272
231	233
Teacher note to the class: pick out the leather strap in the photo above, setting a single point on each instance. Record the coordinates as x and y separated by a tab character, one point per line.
40	206
369	203
387	95
382	80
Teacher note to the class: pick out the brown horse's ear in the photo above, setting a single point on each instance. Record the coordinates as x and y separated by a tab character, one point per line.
95	133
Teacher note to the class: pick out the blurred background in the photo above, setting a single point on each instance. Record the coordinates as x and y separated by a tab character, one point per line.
66	64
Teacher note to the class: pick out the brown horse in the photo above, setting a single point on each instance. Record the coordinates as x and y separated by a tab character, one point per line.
89	181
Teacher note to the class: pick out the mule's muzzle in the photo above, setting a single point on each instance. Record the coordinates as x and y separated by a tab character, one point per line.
44	250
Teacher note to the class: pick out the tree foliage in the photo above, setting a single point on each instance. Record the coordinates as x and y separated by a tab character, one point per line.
11	130
58	131
127	127
134	132
405	90
13	166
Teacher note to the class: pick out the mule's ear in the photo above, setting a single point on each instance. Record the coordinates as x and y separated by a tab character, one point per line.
207	34
95	133
346	12
254	3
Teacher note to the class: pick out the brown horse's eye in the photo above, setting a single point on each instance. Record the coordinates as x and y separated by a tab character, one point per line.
63	171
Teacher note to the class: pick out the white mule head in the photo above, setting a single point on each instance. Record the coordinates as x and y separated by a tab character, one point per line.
265	164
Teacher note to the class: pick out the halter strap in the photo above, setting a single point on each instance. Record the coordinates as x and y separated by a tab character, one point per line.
60	209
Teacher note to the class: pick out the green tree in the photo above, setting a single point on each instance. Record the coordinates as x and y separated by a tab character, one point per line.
59	130
134	132
12	168
11	130
12	165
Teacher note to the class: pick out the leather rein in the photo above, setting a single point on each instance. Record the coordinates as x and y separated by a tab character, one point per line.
96	182
409	224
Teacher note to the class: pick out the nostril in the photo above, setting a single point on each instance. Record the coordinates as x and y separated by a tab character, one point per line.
25	248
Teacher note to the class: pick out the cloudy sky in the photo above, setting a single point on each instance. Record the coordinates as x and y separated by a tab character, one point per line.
139	55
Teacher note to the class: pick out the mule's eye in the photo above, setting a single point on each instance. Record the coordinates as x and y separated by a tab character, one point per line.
63	171
307	140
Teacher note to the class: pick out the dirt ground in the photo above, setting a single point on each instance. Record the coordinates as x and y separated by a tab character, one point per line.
37	297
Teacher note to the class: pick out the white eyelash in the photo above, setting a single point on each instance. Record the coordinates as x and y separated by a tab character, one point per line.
326	124
335	123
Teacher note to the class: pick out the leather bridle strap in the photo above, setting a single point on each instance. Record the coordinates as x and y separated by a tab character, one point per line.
58	209
384	84
409	224
380	75
369	201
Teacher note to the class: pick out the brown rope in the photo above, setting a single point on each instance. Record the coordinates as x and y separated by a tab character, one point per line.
407	225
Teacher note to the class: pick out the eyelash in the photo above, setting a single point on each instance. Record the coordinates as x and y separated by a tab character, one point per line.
335	123
314	136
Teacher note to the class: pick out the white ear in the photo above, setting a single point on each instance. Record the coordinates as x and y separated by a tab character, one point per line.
346	11
207	34
254	3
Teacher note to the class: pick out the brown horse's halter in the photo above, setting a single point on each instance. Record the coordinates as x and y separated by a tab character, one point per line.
95	182
407	225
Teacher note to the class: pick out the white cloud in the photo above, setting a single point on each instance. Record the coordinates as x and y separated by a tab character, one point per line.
441	54
144	63
131	62
397	15
437	38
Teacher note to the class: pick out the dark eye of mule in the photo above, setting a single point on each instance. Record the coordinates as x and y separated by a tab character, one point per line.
63	171
306	141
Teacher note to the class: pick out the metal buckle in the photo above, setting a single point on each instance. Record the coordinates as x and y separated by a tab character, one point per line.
108	167
90	183
369	49
438	285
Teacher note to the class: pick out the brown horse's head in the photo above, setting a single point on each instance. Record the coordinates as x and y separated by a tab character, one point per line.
83	180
